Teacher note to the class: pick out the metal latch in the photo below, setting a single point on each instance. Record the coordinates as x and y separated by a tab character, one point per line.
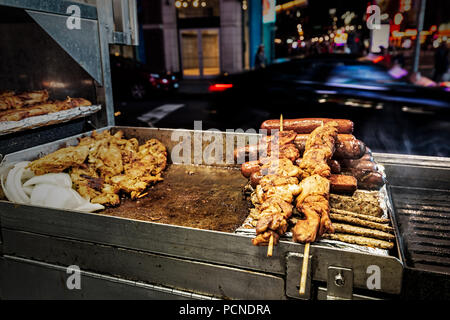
340	283
294	263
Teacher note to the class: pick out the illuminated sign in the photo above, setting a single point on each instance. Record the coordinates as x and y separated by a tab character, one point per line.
268	11
380	38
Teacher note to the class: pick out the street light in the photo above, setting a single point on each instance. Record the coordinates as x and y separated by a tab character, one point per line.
398	18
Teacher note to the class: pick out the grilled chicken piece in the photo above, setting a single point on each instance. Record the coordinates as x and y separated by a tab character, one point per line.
279	138
263	239
319	149
91	187
106	158
8	99
315	161
313	203
273	215
42	109
33	97
276	186
60	160
145	167
273	197
281	167
103	164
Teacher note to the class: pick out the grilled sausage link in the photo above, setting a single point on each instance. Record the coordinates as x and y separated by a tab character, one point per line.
359	164
247	168
347	146
306	125
367	180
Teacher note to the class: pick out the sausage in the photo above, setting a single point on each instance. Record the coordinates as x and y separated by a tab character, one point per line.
360	202
368	180
364	232
347	146
254	151
255	177
247	168
360	164
335	166
306	125
367	156
349	149
342	184
365	241
250	151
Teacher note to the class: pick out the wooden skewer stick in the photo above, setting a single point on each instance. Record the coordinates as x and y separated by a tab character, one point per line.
270	247
302	289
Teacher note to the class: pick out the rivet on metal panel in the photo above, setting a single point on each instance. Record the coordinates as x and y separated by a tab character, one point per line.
340	283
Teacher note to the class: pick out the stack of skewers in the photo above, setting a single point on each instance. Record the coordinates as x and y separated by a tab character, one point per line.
317	169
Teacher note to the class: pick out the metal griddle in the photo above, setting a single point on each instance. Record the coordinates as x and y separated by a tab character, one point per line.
203	197
177	260
420	191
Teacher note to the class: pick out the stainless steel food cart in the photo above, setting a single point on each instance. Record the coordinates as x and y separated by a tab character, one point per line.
126	258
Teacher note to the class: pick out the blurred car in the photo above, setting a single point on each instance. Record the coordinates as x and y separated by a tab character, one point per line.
332	85
132	79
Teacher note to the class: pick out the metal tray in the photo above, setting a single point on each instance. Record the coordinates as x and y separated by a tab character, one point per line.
7	127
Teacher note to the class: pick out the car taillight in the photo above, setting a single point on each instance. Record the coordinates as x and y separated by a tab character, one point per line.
217	87
378	59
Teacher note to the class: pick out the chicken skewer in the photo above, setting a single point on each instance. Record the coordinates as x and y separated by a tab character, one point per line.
313	201
270	247
274	194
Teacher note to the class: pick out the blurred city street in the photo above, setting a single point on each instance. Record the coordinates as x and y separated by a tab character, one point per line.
407	133
232	66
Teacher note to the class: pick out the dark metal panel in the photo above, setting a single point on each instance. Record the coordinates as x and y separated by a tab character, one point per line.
416	171
202	278
27	279
53	6
32	60
201	245
83	44
29	138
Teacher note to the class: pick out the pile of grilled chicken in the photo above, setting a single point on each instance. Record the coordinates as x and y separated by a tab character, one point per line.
15	107
301	168
103	165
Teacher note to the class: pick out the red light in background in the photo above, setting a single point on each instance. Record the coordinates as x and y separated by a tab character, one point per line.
218	87
378	59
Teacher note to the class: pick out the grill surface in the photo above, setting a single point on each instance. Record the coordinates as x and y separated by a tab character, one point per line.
423	218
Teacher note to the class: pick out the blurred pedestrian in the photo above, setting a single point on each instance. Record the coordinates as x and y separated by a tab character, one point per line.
387	58
260	58
440	62
397	57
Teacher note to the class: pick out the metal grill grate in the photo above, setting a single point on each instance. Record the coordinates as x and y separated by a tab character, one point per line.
423	218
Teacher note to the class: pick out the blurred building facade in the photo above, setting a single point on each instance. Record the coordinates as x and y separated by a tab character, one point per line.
197	38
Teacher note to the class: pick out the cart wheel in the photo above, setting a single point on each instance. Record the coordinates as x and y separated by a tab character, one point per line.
138	91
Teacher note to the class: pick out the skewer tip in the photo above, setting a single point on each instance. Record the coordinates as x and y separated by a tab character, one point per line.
270	247
304	270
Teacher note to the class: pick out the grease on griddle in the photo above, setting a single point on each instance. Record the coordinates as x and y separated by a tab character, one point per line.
191	196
